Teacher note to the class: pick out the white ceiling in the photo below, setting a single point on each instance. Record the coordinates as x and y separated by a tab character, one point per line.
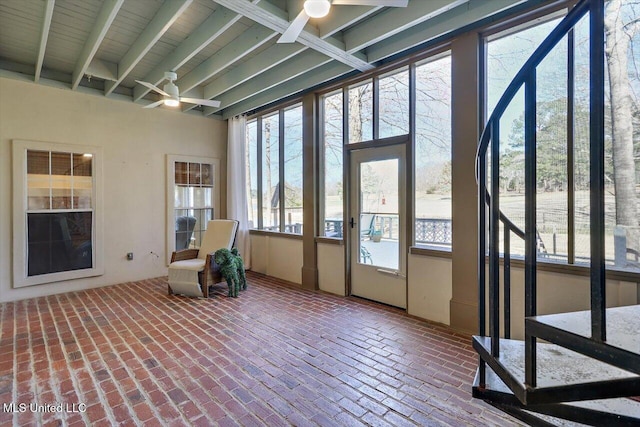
220	49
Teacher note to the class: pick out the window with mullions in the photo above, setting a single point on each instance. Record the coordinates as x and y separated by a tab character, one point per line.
562	133
332	150
433	141
55	198
193	199
433	154
505	55
393	104
60	214
193	193
293	169
271	172
361	112
274	155
252	172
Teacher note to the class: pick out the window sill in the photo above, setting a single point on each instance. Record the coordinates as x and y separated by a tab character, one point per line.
576	270
330	240
291	236
430	251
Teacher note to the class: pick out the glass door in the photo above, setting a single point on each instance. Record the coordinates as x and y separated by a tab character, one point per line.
377	227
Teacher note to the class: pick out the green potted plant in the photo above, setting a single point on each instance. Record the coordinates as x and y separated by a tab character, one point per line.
376	235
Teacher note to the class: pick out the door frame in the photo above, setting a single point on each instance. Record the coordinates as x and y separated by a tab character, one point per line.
409	198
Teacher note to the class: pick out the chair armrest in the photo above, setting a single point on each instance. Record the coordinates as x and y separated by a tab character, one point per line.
184	254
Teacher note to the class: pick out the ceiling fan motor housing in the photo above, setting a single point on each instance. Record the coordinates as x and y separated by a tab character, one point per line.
172	90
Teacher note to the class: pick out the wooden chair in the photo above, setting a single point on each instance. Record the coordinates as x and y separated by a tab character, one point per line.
192	271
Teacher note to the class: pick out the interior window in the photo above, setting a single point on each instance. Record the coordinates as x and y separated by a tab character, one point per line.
193	200
56	187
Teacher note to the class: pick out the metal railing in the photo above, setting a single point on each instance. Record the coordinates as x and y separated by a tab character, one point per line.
490	215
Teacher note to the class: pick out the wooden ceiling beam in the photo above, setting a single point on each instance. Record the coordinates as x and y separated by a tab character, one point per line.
393	21
262	62
459	17
296	66
161	22
318	76
247	42
278	20
341	17
105	18
215	25
44	36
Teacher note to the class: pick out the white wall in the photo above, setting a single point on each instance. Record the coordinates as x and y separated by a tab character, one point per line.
275	256
429	281
429	288
135	143
560	293
331	272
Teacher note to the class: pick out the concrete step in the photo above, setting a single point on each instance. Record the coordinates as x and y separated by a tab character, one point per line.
562	375
573	331
622	412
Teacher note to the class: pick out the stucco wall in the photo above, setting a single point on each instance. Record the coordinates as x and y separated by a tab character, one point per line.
275	256
331	271
135	142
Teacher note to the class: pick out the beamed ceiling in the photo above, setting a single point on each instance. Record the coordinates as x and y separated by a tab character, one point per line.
220	49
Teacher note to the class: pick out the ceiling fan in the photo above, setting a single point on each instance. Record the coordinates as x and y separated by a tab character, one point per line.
320	9
171	94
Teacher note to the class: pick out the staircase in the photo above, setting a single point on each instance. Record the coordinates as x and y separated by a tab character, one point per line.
581	367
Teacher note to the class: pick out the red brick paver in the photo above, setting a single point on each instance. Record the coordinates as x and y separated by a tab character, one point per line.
131	354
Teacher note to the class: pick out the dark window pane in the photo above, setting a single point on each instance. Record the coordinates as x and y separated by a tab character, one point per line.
207	174
59	242
184	231
82	164
194	173
181	173
60	163
38	162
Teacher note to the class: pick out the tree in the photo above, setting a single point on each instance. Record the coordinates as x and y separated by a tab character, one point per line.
618	36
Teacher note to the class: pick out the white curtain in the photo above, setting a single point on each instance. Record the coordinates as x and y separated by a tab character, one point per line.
237	185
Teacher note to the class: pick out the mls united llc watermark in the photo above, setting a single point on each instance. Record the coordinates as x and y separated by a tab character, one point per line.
47	407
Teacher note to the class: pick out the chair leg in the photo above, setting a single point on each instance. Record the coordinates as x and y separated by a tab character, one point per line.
170	290
204	284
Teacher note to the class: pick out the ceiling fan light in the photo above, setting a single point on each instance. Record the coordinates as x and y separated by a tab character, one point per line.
171	102
317	8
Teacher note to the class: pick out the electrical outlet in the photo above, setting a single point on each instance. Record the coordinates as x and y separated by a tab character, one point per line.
130	256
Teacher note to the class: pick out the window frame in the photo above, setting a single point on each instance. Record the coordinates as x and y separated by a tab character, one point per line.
409	65
20	210
505	29
278	112
171	161
322	155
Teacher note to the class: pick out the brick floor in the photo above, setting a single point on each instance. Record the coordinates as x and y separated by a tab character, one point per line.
130	354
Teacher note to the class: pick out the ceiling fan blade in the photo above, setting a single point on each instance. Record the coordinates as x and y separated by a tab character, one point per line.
295	28
152	87
391	3
154	104
207	102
